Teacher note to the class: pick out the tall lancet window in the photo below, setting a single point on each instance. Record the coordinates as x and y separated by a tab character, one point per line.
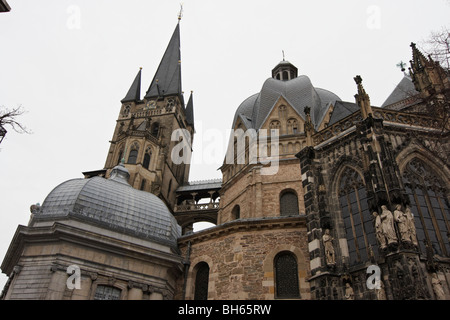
358	222
429	205
201	281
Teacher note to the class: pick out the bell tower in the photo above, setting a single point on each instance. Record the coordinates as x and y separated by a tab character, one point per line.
142	138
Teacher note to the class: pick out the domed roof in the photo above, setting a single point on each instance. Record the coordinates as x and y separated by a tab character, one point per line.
298	92
113	204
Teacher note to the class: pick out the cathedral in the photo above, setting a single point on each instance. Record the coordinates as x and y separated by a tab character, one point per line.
320	199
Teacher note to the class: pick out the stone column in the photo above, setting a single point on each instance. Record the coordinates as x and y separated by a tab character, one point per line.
136	290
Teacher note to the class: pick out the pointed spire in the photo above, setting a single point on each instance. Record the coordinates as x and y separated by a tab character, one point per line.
134	94
362	99
190	110
167	80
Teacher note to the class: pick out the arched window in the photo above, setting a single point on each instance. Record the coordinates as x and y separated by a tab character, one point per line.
286	275
201	281
155	129
236	212
292	126
288	203
143	182
147	158
132	157
274	126
429	205
107	293
358	222
285	75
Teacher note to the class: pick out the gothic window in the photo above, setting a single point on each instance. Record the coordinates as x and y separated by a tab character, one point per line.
155	129
147	158
201	282
107	293
274	126
236	212
358	222
292	126
132	157
429	205
288	203
286	276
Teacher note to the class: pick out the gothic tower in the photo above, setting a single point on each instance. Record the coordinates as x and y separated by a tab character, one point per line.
142	138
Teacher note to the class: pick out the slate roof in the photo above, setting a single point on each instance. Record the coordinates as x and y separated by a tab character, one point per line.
113	204
134	93
341	110
404	90
298	92
167	80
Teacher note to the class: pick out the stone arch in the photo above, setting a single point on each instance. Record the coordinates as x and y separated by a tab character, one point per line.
412	151
302	268
190	283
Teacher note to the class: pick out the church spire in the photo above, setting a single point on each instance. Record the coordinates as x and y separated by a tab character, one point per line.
190	110
167	80
134	93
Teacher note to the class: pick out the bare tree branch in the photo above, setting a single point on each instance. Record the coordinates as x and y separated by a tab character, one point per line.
8	117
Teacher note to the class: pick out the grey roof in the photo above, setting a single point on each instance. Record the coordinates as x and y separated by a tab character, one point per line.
113	204
404	90
341	110
298	92
167	80
190	110
201	185
134	93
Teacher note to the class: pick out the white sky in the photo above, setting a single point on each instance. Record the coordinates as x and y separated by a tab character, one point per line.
69	63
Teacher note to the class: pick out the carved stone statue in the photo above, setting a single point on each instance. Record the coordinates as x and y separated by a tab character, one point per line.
349	294
411	226
402	223
437	287
387	224
329	249
379	230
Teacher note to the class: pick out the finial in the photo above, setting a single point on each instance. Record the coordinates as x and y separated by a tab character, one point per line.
140	68
283	54
358	79
180	14
401	65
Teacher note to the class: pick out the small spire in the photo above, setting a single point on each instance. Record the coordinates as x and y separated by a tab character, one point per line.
362	98
134	93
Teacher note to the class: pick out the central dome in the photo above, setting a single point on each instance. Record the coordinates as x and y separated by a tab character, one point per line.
113	204
298	92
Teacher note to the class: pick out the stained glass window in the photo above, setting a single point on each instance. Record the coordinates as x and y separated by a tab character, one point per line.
429	205
358	222
286	275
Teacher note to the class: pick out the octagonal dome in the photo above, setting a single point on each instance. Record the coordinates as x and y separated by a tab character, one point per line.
298	92
112	204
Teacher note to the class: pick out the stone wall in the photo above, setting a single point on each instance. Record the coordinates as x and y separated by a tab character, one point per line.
241	256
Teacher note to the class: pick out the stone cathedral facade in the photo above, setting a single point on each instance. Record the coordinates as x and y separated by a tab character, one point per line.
341	201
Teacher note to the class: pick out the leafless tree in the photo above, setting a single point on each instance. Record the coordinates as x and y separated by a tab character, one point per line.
9	118
438	46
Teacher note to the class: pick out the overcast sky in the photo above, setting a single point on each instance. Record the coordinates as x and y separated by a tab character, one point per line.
69	63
